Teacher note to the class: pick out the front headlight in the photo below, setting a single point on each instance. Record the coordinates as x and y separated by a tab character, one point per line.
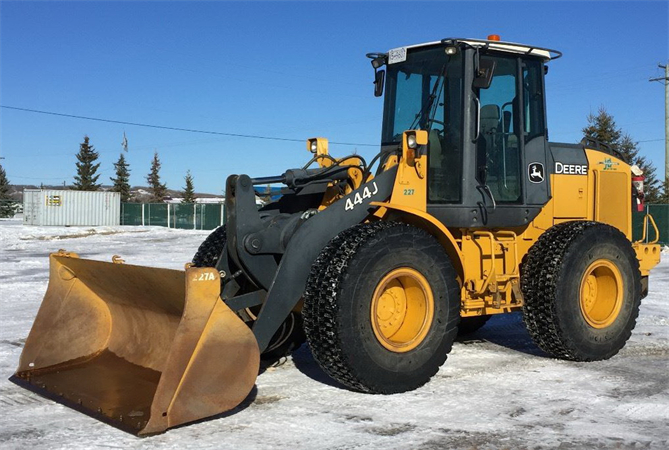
317	146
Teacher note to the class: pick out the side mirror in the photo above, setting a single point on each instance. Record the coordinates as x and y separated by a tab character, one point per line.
379	78
483	76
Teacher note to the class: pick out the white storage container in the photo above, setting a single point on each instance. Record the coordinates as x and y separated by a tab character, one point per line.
71	208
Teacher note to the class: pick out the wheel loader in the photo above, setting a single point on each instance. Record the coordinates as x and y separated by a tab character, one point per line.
466	212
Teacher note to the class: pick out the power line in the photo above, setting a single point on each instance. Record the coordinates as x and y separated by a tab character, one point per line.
40	178
664	79
187	130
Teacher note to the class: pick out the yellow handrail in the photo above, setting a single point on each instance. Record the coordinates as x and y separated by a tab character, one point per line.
644	236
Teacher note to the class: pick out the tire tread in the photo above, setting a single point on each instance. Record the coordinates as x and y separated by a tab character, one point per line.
539	284
321	304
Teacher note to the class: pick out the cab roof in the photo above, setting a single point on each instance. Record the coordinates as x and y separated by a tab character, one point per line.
508	47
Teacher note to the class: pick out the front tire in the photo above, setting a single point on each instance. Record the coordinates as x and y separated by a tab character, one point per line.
211	248
289	337
381	307
582	290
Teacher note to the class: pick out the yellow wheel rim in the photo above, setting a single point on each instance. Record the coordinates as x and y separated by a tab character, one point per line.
601	293
402	309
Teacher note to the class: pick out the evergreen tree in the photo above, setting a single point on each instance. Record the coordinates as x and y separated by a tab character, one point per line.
86	179
188	192
664	197
602	127
6	203
158	189
122	180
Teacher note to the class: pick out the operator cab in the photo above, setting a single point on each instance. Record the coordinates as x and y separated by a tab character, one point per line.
483	105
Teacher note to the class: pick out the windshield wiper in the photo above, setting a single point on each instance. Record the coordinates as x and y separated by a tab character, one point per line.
439	83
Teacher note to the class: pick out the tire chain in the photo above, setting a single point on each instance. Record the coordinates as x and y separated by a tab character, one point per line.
210	250
321	302
207	255
539	286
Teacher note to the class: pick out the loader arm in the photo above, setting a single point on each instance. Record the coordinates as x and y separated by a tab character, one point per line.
287	280
243	221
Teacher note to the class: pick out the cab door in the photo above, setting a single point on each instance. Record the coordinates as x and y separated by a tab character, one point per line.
511	146
503	151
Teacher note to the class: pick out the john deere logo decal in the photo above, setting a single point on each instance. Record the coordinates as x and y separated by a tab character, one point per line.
609	164
535	171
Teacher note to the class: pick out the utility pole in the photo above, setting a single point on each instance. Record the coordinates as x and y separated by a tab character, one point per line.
665	81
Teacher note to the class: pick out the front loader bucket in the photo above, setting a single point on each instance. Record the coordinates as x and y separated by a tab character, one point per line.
143	349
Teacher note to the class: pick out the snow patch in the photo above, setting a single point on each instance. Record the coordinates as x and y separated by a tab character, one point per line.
496	390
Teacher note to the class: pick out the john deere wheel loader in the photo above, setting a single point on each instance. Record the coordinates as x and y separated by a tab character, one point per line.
470	213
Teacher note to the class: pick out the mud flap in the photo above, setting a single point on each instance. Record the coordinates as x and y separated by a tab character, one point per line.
140	348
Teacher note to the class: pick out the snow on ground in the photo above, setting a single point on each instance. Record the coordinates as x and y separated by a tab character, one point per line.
496	390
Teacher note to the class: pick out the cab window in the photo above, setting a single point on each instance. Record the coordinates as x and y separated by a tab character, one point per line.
498	144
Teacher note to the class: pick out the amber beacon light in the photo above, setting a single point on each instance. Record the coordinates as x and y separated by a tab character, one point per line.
494	37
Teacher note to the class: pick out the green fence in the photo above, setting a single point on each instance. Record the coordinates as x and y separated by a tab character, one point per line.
195	216
207	216
661	215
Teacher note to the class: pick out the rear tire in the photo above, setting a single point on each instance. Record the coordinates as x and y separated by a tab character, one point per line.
582	290
381	307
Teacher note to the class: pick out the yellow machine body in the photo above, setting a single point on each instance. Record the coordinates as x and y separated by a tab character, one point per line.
488	260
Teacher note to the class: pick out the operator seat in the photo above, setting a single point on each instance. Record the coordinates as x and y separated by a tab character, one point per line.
490	126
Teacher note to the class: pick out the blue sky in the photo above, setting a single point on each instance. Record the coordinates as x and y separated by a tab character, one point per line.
291	70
